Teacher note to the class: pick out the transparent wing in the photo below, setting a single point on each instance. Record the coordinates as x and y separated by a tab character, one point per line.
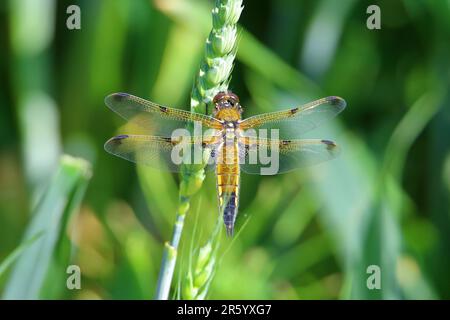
292	123
157	119
163	153
268	157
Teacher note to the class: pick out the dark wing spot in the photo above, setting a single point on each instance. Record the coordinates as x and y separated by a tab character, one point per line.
294	111
337	101
118	139
163	109
334	100
170	140
285	142
120	96
330	144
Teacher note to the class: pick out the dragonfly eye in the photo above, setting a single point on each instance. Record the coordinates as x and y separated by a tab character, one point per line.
234	97
218	97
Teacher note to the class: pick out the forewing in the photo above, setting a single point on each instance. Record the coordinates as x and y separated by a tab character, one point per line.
293	122
157	119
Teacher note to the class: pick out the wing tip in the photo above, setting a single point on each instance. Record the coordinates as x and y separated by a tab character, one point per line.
114	141
337	102
118	96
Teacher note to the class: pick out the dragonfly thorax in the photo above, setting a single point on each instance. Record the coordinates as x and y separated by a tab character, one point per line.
230	132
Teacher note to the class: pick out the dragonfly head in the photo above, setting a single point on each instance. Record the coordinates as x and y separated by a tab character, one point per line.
227	106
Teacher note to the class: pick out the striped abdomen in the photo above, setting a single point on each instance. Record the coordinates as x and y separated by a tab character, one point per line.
227	172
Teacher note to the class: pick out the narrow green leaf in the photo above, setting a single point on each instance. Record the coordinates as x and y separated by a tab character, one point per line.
60	200
12	257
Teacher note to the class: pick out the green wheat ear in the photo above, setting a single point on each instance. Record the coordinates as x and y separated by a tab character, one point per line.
220	51
196	284
200	273
213	77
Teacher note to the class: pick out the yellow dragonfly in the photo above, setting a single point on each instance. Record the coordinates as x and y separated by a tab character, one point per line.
231	145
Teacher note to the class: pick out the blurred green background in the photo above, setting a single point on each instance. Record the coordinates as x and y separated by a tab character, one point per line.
310	234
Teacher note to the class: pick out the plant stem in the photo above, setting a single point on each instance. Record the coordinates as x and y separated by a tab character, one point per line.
170	257
213	77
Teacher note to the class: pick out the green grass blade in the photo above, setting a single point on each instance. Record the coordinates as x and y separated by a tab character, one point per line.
59	201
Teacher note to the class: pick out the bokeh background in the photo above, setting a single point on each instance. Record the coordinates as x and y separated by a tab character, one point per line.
310	234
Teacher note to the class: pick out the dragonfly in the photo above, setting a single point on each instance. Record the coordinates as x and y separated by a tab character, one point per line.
232	145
